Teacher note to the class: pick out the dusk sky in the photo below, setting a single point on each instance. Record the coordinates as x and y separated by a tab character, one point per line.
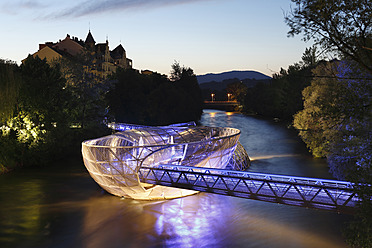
210	36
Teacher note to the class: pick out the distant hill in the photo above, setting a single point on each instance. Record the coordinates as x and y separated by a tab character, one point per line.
220	86
219	77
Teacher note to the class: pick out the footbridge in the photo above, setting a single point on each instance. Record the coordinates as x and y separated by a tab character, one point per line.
306	192
221	105
157	163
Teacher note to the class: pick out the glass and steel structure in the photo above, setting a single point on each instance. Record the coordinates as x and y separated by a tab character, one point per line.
114	161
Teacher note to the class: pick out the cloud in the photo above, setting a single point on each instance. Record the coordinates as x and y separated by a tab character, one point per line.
92	7
15	7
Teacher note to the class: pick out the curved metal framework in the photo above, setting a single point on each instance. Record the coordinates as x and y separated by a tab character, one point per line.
126	126
114	161
307	192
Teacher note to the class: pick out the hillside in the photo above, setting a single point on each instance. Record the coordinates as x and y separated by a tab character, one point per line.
220	86
219	77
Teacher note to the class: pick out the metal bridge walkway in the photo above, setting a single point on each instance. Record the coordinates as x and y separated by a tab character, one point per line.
297	191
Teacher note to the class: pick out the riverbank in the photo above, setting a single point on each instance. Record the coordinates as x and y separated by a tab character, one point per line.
61	205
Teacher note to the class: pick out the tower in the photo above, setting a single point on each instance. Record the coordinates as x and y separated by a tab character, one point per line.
90	42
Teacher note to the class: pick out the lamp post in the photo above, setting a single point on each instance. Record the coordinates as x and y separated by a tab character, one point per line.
212	96
229	97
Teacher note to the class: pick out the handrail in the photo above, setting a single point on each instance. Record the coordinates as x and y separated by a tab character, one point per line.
290	190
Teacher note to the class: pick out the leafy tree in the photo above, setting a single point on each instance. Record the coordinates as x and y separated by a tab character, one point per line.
10	80
282	97
154	99
238	90
34	129
87	105
185	80
310	57
336	123
335	107
340	26
340	102
316	120
42	92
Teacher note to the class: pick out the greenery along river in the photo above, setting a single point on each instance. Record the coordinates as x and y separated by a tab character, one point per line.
61	206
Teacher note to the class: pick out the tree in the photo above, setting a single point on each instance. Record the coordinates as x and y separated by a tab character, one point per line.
154	99
336	123
238	90
310	57
343	113
282	97
321	113
87	105
10	80
341	26
186	82
42	92
36	127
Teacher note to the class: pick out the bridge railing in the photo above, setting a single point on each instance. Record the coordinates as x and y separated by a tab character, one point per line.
298	191
221	102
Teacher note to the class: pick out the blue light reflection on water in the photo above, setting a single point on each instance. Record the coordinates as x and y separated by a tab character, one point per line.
72	211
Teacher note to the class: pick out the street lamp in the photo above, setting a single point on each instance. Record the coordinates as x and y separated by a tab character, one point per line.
229	97
212	96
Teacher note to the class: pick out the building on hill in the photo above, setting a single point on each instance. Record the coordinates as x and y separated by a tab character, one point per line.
49	53
147	72
104	61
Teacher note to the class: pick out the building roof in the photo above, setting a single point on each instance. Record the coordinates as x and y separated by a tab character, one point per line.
118	52
68	45
90	38
47	53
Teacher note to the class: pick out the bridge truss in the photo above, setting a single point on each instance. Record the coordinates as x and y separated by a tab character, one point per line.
315	193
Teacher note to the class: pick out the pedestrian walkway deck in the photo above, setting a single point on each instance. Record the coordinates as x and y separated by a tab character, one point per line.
298	191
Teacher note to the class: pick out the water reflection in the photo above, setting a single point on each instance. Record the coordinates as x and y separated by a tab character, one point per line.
272	147
202	220
272	156
15	218
63	207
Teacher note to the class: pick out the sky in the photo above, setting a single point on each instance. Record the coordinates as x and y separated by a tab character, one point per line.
209	36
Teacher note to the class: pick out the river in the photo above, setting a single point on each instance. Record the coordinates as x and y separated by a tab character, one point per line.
61	206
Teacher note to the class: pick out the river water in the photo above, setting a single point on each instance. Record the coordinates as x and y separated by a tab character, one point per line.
61	206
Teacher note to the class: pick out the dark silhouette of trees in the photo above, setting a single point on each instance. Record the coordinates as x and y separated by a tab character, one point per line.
238	90
336	123
38	117
282	98
340	26
9	88
154	99
187	85
336	120
42	92
10	80
87	106
32	131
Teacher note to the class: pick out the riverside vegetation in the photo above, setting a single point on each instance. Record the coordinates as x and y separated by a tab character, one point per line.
48	110
327	100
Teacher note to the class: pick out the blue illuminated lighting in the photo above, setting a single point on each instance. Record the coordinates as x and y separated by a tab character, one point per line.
114	161
125	126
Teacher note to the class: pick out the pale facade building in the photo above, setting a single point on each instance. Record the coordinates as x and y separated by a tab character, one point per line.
104	61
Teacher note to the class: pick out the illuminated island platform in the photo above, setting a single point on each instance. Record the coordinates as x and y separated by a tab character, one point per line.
114	161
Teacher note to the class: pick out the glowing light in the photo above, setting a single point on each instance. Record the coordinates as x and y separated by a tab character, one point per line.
272	156
212	114
114	161
229	95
